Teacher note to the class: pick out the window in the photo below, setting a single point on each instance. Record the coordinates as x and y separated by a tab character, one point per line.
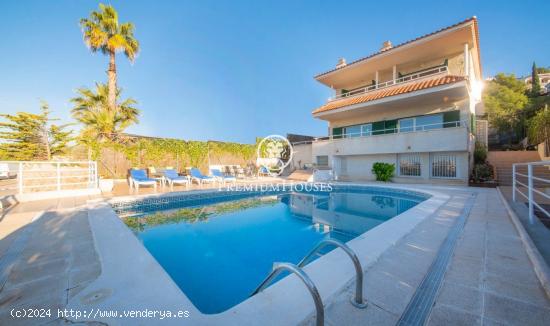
409	165
406	125
358	130
428	122
443	165
322	160
352	131
366	130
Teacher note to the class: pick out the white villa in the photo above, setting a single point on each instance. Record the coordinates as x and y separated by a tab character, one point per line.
412	104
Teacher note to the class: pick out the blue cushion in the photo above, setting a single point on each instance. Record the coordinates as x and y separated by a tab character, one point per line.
171	174
195	173
139	175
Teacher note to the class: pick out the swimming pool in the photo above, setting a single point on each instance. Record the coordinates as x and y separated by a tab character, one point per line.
218	247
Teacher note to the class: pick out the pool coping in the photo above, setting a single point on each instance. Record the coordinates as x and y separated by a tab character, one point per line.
286	302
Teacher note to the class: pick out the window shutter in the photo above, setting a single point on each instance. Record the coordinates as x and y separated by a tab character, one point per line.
337	132
392	125
378	127
450	117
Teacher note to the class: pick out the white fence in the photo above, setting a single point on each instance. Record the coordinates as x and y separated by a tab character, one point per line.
33	177
532	190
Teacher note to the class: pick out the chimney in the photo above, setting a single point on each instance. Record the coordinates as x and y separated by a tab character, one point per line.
386	46
341	63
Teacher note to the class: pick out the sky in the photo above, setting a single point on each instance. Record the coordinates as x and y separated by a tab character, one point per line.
237	70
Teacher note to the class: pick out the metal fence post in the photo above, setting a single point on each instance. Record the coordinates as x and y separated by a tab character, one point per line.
513	182
530	194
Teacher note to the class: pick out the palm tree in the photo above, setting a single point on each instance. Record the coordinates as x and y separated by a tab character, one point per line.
102	32
92	109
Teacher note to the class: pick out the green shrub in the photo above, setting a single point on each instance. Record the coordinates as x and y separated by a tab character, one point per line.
383	171
482	172
480	153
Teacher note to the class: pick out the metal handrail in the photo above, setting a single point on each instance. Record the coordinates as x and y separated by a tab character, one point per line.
356	301
414	76
278	268
530	187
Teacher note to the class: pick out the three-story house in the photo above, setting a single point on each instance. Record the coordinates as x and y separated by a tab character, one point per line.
412	104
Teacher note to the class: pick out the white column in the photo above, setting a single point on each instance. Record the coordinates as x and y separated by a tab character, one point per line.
466	60
394	73
376	79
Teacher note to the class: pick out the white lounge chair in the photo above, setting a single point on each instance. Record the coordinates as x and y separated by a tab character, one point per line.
139	178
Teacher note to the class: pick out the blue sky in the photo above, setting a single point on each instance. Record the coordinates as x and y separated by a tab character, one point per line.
234	70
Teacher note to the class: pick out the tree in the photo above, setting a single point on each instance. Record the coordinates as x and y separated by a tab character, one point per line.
92	109
29	136
535	81
102	32
505	102
539	127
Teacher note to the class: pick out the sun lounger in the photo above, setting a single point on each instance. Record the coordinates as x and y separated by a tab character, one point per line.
217	174
199	177
172	177
139	178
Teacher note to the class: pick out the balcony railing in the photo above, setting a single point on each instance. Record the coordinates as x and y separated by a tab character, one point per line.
405	79
402	130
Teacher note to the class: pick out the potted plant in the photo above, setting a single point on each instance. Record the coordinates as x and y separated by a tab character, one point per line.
106	185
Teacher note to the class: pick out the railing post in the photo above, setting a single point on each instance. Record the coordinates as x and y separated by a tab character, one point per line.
530	194
96	175
20	178
513	182
58	169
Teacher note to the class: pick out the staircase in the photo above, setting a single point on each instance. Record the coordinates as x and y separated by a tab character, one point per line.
301	175
503	161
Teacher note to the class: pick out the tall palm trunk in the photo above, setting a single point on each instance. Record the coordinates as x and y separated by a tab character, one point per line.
111	74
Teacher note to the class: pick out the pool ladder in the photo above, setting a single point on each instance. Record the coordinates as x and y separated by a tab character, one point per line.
278	268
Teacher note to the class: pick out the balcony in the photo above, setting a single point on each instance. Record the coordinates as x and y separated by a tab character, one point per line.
447	136
418	75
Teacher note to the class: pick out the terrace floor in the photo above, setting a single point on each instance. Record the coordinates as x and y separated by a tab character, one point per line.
489	279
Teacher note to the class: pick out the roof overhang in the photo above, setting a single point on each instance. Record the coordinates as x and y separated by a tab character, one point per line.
439	44
440	95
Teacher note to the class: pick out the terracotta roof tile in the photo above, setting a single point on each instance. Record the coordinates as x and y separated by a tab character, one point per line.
390	91
474	19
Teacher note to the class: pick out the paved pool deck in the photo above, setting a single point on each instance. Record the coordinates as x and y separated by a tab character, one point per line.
48	257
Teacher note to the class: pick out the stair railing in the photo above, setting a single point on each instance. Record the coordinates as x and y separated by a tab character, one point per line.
531	190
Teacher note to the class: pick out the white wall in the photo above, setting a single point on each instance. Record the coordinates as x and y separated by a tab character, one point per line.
302	155
359	168
439	140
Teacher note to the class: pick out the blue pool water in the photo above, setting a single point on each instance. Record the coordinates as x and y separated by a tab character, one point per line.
218	252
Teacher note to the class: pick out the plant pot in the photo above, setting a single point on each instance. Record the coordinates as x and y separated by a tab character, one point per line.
106	185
